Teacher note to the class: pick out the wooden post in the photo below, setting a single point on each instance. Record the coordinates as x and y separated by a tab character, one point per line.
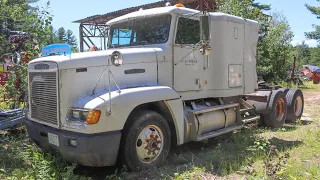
293	67
202	5
81	37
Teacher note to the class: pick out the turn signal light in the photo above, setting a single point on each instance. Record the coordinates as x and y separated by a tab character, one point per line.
179	5
93	116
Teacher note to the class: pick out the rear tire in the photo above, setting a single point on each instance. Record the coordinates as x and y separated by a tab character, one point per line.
146	141
285	90
295	105
277	110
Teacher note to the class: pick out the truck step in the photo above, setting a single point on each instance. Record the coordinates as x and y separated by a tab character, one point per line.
250	119
214	108
217	133
242	111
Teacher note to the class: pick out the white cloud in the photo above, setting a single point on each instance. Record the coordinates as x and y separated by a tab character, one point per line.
310	43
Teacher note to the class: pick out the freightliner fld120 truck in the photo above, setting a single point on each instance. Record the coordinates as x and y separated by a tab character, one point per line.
170	75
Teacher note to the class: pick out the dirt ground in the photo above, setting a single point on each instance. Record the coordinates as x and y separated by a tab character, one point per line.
311	96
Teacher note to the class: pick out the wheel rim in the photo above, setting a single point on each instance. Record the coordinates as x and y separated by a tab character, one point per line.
149	143
280	111
298	106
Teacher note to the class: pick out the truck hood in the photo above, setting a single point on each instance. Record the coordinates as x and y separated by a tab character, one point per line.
100	58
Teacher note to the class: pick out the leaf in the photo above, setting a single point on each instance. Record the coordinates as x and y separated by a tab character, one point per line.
5	146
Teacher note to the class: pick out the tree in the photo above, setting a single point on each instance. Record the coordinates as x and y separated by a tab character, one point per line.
303	54
275	49
61	35
18	15
316	33
71	39
315	56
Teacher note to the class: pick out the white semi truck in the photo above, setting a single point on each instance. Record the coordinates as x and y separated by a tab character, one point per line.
170	75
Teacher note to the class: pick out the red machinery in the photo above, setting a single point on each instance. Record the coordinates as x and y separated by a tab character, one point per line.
316	76
7	72
312	72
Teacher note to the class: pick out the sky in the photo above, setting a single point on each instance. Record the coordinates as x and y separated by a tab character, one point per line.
66	11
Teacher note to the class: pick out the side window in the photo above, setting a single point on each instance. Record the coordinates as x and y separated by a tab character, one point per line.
121	34
188	31
121	37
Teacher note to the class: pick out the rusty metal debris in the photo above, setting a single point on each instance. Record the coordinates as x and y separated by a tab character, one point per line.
12	118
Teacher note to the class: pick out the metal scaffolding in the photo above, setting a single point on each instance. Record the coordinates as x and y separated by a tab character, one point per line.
94	27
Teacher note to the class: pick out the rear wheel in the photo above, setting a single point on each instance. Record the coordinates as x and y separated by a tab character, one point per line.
146	142
277	110
295	104
285	90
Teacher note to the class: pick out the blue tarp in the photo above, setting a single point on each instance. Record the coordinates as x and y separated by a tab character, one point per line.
311	67
56	49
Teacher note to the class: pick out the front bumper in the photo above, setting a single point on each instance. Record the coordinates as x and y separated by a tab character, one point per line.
91	150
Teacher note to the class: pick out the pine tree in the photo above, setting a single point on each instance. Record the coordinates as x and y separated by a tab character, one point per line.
71	39
303	54
316	33
61	35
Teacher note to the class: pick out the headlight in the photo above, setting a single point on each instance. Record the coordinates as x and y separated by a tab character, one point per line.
90	116
116	58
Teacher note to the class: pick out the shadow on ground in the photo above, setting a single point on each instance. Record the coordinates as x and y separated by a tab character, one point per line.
221	156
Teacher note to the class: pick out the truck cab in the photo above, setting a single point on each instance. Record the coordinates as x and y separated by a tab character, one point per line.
170	75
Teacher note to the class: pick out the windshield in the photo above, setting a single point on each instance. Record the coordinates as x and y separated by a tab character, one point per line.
150	30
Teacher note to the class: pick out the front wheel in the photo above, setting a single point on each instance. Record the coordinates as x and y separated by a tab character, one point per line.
146	142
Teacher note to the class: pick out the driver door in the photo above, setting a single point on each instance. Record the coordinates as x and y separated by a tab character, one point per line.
188	61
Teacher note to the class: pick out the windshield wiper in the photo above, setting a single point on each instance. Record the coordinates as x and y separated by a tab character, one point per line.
140	43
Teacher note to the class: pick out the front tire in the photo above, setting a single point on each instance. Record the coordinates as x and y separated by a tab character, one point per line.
146	141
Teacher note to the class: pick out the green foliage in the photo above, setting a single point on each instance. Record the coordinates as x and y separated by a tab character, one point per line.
307	55
314	10
316	33
260	145
21	160
71	39
303	54
315	56
19	15
274	50
63	36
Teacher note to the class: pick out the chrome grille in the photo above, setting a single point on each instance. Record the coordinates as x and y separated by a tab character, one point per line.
43	96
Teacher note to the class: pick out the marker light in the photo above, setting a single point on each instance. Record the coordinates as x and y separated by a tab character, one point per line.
73	142
93	116
179	5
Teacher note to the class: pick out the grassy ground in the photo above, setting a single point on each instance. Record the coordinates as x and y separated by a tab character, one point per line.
291	152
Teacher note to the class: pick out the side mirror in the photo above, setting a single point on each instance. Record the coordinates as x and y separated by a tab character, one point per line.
204	28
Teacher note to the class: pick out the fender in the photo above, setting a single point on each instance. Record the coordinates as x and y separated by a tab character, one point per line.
124	102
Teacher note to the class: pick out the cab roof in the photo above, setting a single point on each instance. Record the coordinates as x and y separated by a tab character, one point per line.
217	16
